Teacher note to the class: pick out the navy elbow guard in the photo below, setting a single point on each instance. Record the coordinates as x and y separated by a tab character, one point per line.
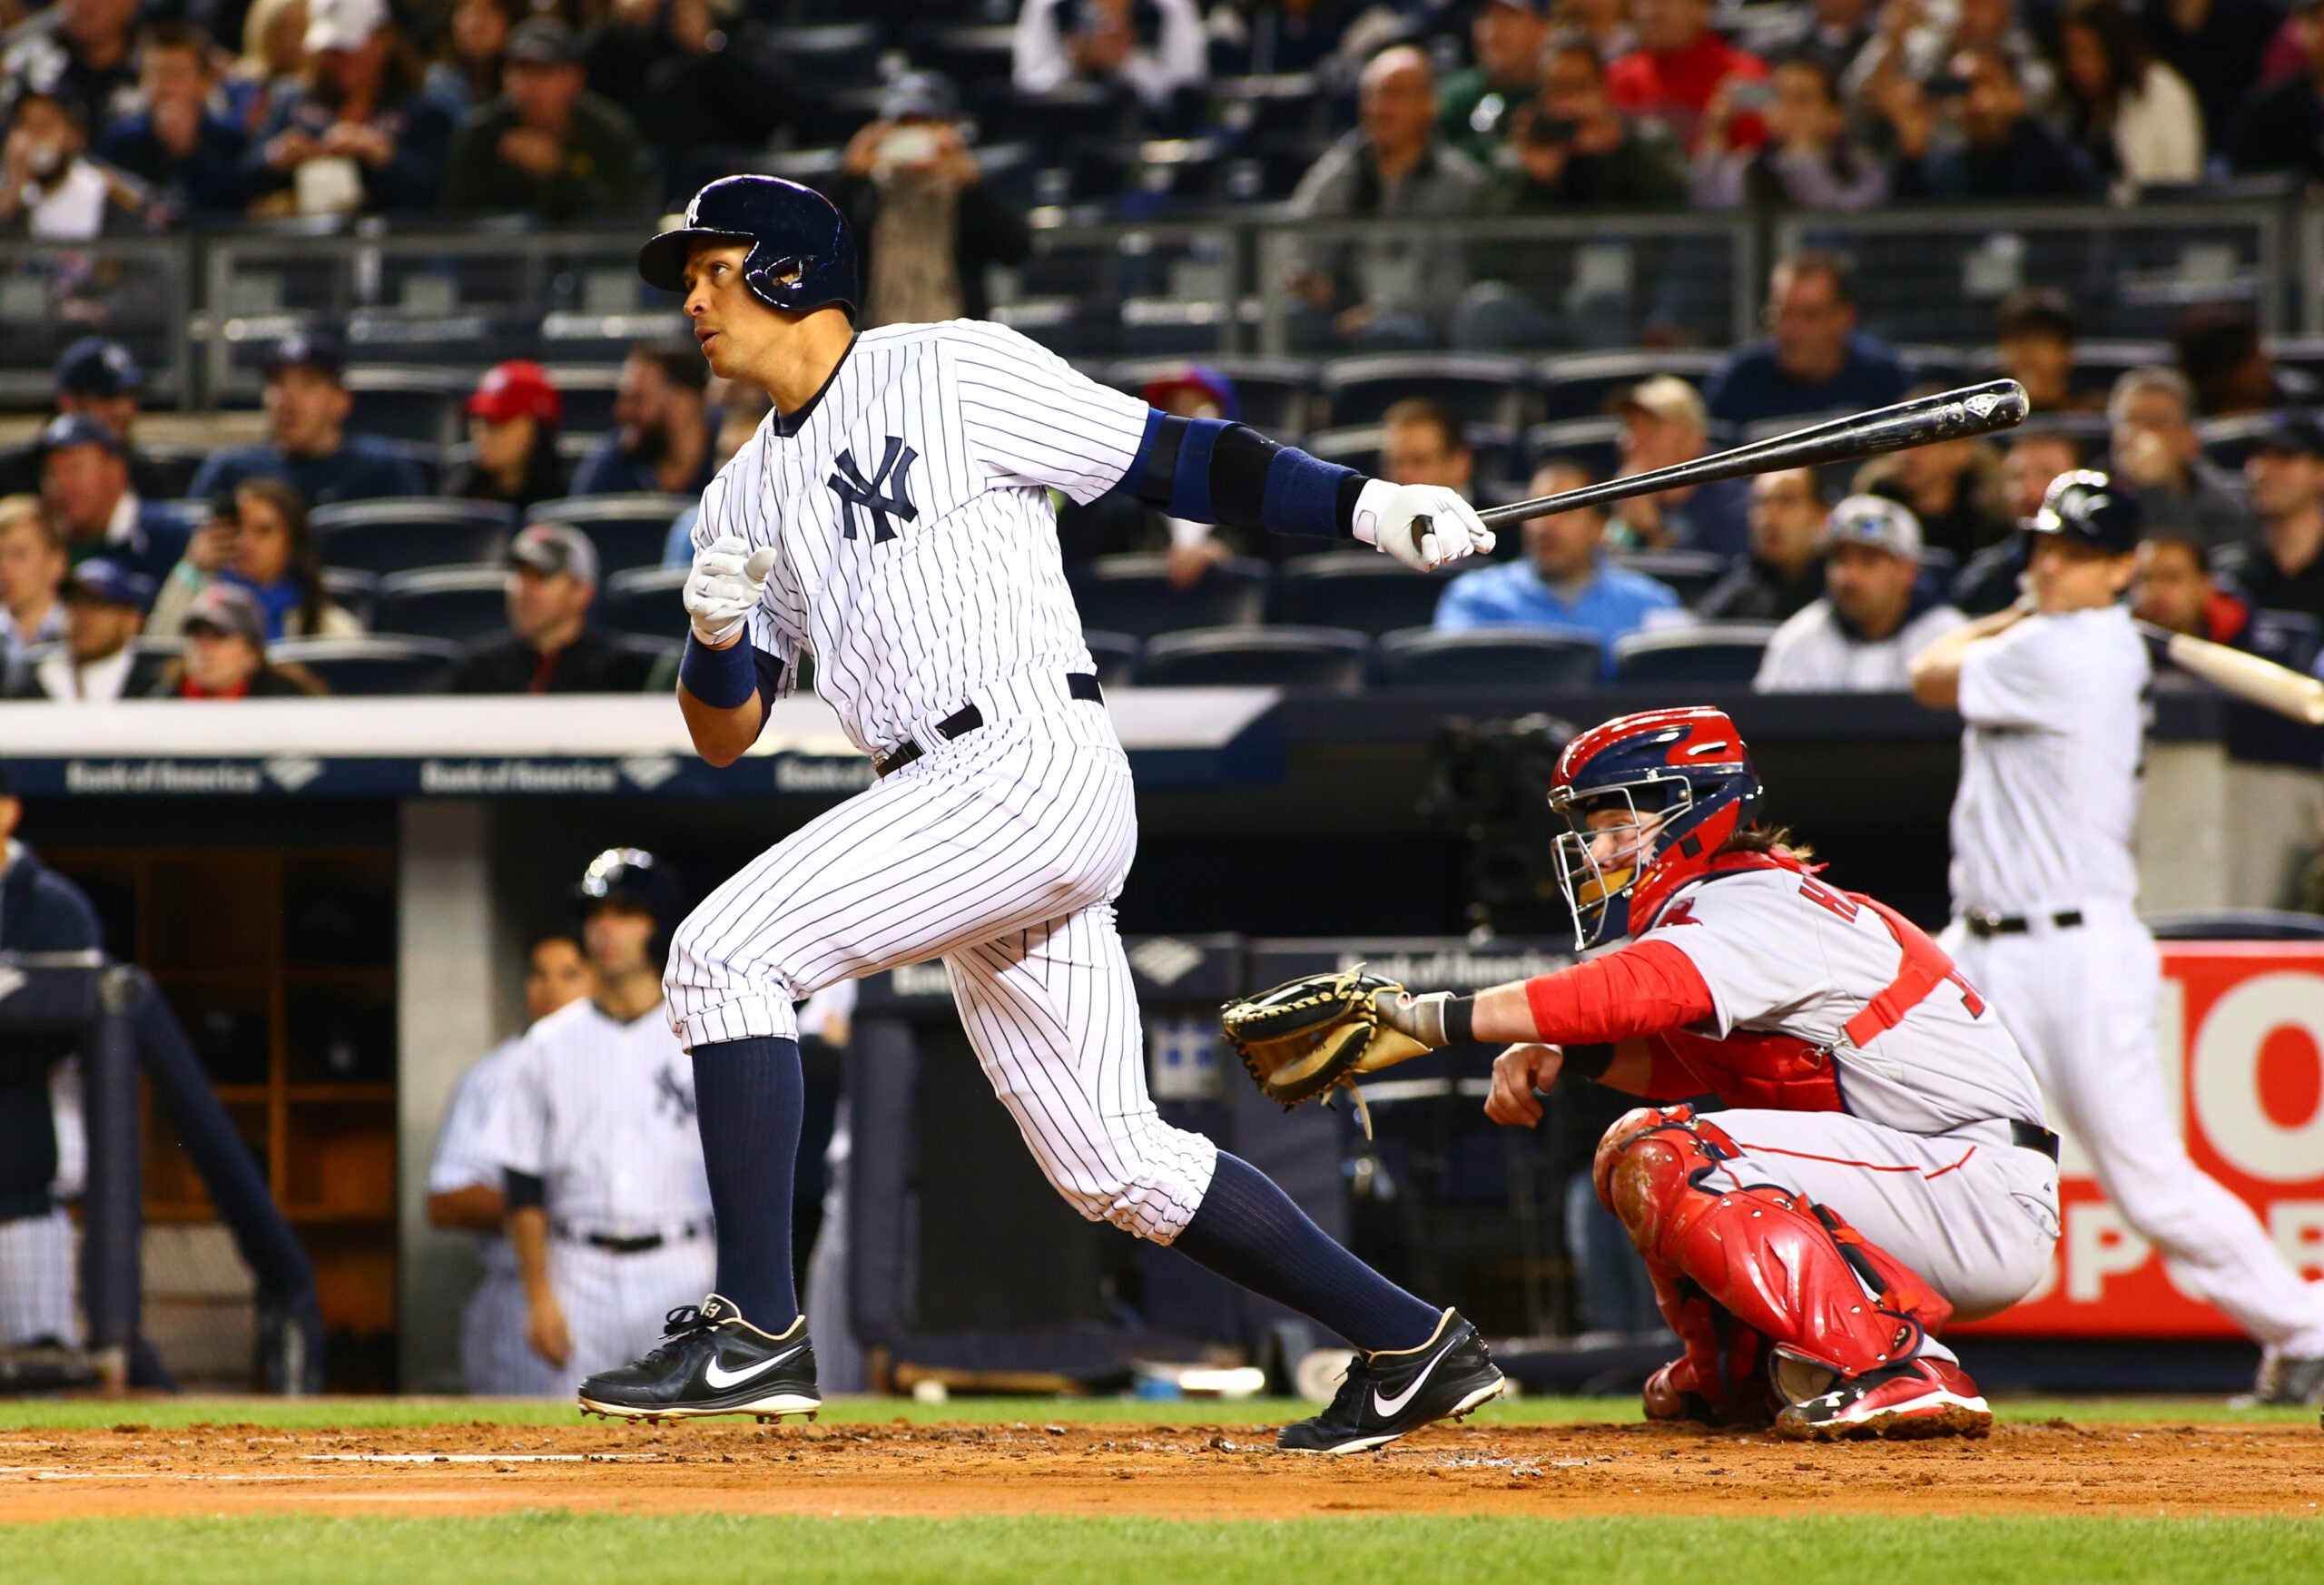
1207	470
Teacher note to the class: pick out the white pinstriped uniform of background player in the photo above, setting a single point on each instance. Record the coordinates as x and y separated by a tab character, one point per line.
891	518
2044	887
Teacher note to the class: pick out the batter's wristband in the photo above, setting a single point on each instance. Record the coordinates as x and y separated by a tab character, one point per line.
1589	1061
1459	1019
723	679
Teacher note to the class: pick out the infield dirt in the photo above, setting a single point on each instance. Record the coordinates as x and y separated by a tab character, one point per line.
1189	1472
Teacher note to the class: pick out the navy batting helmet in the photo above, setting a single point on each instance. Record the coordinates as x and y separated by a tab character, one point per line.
802	256
636	877
2085	507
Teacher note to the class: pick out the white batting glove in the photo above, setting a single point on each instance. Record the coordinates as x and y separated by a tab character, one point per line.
1422	526
728	579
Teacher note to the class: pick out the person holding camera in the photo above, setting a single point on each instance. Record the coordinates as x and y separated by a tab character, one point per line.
1807	160
926	220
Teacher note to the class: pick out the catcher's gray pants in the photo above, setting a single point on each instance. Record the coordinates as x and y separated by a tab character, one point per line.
1000	852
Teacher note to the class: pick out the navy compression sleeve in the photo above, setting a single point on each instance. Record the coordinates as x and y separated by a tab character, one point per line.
1207	470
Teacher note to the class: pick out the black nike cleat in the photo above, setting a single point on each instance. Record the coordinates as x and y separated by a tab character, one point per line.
711	1361
1389	1395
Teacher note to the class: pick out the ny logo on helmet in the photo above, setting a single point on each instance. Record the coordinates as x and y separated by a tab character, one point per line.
882	494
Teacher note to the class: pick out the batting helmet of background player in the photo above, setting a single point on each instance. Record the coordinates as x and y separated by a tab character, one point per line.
802	255
1686	781
632	876
2085	507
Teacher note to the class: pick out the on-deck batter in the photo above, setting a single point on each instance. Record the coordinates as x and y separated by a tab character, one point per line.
891	518
2052	694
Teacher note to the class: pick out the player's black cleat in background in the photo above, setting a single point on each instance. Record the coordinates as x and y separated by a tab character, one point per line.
712	1362
1389	1395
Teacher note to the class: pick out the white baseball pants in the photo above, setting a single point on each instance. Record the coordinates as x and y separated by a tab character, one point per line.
615	1304
1000	852
36	1279
497	1359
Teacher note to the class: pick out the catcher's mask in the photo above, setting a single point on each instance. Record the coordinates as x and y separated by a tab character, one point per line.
1666	788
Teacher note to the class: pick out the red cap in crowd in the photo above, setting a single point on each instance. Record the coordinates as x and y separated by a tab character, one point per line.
517	388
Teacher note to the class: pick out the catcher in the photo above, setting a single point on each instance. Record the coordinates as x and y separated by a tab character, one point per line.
1884	1166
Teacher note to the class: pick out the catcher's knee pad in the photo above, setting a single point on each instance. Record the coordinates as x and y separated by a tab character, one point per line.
1645	1162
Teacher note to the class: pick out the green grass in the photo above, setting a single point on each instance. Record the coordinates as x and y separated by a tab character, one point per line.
555	1549
68	1412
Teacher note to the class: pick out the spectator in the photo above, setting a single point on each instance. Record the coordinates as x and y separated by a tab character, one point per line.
2216	46
1784	572
1664	424
1830	34
2135	118
101	378
2174	590
272	65
741	409
2157	454
50	190
478	35
84	484
1605	23
1572	148
1258	37
1473	104
1678	64
359	131
191	160
2280	125
707	87
33	566
1423	443
1954	488
2226	365
550	647
260	545
514	416
928	225
1814	362
662	428
2036	455
547	146
2037	334
1383	292
1562	581
86	57
1990	145
307	442
1153	53
2285	570
225	653
1875	614
1807	159
1914	45
104	608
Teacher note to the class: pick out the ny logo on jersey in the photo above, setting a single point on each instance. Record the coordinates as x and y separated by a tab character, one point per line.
671	1094
884	494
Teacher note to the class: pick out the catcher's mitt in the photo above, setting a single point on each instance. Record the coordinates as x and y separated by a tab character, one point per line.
1315	1034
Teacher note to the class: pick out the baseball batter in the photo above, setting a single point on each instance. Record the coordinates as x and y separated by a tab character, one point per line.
891	518
608	1214
465	1190
1885	1168
2052	695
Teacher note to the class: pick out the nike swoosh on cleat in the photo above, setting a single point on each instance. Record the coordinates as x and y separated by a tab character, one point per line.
1387	1408
719	1378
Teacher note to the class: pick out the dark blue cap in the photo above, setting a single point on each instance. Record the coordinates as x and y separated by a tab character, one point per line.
2294	432
102	579
2085	507
96	366
78	430
317	349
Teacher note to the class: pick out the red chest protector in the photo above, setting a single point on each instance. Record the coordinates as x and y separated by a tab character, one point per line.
1763	1072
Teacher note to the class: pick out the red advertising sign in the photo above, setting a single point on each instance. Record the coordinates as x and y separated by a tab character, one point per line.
2241	1034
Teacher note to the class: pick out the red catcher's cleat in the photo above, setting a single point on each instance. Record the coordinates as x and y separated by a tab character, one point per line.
1921	1397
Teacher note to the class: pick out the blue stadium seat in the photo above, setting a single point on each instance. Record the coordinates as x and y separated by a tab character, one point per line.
1716	651
455	603
1584	385
1276	395
1482	387
1116	654
409	401
588	392
1329	660
1691	573
645	600
1487	657
2289	638
358	592
843	54
1132	595
370	665
1359	589
1595	443
177	460
1931	365
2226	442
628	531
1357	446
410	531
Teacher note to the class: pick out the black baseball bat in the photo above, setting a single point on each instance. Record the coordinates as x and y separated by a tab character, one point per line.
1953	415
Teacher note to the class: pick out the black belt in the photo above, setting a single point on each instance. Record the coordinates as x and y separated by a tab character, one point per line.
967	718
2034	1136
613	1245
1985	926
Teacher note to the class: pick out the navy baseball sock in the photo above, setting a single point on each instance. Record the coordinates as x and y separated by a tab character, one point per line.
748	1095
1249	1232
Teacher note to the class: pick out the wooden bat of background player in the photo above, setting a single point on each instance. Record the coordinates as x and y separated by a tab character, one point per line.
2247	676
1953	415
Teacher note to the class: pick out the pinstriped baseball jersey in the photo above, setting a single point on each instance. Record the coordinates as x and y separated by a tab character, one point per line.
909	502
